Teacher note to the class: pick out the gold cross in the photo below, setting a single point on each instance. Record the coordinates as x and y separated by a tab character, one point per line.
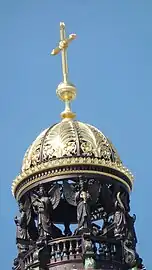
63	45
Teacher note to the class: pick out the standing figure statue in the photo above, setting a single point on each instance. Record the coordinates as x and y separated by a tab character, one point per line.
119	216
25	226
43	203
83	210
79	197
83	195
21	230
86	199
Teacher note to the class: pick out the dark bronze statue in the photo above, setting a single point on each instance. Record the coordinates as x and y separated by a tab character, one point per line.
79	198
83	210
26	230
83	198
86	197
21	230
43	206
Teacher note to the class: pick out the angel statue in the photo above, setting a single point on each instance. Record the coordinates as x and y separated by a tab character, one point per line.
25	226
83	210
43	204
82	199
21	230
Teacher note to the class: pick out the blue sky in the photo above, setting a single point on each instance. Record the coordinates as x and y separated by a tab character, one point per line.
111	65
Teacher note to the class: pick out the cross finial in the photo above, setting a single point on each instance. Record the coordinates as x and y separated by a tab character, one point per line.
63	45
65	91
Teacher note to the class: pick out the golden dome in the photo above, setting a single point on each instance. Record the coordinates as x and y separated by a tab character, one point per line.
67	139
67	147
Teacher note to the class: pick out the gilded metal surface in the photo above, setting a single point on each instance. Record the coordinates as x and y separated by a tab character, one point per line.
65	90
63	45
58	172
29	158
69	138
69	143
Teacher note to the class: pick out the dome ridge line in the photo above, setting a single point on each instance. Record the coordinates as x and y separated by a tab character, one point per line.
43	139
30	152
75	124
93	137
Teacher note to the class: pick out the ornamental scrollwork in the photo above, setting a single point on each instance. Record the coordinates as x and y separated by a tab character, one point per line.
86	148
69	149
69	138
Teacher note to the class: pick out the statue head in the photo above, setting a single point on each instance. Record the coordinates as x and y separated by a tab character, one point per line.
42	191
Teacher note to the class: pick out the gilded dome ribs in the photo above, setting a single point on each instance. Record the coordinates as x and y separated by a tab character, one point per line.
42	143
68	144
76	130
